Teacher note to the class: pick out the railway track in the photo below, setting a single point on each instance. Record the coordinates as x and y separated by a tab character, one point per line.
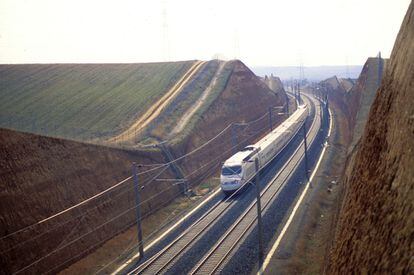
162	261
167	256
214	259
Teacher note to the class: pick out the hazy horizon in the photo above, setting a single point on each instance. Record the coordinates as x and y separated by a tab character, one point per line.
260	33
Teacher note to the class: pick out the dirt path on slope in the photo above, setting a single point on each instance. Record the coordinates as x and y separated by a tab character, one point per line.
157	107
190	112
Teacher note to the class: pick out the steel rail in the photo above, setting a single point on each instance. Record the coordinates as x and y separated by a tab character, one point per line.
239	234
210	222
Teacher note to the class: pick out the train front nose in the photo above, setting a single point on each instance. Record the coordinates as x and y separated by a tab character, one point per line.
230	184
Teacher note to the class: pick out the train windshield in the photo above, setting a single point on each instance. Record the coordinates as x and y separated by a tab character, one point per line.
231	170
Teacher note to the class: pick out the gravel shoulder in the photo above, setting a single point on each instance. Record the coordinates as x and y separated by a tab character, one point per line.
305	247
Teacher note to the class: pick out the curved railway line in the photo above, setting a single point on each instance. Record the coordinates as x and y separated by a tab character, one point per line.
211	262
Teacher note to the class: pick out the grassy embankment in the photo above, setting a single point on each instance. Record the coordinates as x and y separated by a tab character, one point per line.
81	102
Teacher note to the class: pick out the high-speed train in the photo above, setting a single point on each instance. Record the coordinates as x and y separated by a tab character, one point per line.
240	167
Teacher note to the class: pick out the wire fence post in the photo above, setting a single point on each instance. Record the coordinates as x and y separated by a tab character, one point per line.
259	212
270	119
306	149
138	202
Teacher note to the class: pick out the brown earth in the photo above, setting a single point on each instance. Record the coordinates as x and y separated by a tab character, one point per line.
274	83
376	228
355	101
307	247
41	176
245	98
240	97
337	96
359	99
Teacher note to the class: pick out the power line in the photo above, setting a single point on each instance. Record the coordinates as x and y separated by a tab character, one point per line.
89	211
165	165
116	185
67	209
183	211
118	216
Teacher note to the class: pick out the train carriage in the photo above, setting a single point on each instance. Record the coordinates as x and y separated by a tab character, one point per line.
240	168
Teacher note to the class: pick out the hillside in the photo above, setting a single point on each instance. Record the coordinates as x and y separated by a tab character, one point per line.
82	101
42	176
337	93
354	100
177	118
244	98
274	83
376	226
361	96
130	105
312	73
182	113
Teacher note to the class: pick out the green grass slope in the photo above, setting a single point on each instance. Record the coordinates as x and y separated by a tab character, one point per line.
81	101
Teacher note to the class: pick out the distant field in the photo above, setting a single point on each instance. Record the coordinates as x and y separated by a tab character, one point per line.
81	101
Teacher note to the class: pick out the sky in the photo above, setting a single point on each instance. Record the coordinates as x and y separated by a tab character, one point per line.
260	32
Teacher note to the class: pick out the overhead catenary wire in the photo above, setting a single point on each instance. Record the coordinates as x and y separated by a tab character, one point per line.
168	221
115	218
124	212
67	209
190	174
298	148
89	211
88	249
75	240
120	183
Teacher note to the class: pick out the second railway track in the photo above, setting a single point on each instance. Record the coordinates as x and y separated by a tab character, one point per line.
213	260
162	261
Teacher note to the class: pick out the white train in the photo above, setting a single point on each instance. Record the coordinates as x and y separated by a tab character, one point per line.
240	168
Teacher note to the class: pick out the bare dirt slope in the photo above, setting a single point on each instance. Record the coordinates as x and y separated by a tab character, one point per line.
337	96
355	100
360	97
41	176
376	227
274	83
244	98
